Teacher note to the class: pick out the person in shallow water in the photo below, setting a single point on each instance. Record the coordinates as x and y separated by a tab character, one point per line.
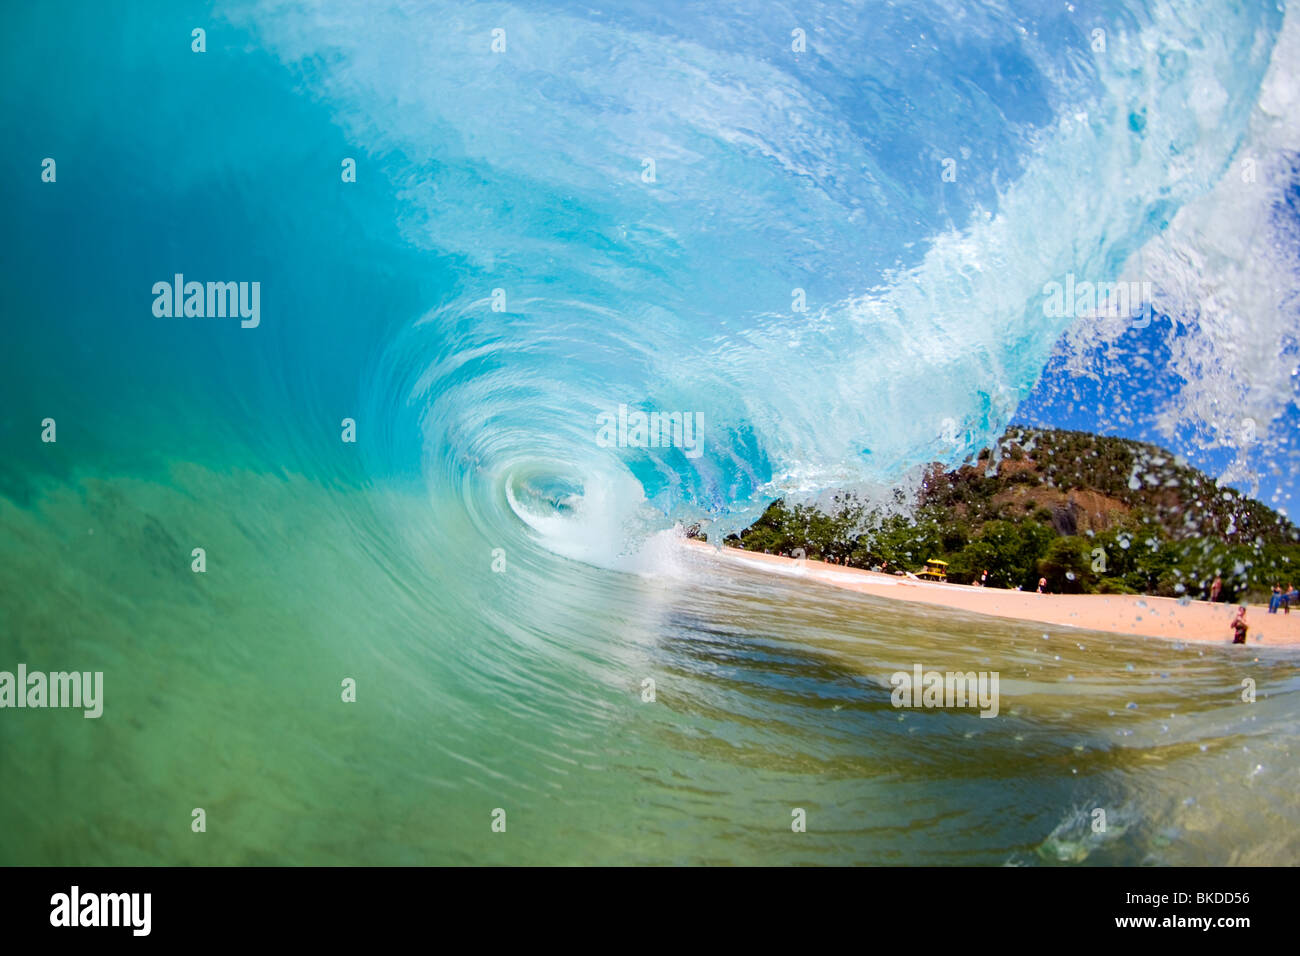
1239	626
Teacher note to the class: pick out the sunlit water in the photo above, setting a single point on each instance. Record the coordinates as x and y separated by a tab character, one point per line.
521	687
525	691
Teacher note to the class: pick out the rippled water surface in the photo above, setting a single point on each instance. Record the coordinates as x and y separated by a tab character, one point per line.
501	586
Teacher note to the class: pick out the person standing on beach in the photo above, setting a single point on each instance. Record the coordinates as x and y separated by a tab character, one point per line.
984	578
1215	587
1042	583
1239	626
1291	596
1275	600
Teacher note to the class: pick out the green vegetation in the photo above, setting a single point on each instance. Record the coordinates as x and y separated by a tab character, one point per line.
1090	514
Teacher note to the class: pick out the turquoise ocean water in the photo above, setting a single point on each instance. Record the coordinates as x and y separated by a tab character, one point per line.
528	171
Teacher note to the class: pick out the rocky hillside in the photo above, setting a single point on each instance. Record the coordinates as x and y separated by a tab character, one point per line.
1087	512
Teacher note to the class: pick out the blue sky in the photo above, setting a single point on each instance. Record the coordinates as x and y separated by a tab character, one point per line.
1125	395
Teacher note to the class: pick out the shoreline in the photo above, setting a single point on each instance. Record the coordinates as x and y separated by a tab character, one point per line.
1137	615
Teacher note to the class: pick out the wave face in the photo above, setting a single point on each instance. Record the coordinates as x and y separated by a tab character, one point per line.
834	256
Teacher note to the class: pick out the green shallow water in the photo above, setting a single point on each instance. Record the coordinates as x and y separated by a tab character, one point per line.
522	690
372	560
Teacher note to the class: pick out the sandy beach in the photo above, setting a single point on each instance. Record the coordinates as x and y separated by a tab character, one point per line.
1117	613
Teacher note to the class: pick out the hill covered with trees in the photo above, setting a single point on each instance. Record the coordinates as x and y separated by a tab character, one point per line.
1089	513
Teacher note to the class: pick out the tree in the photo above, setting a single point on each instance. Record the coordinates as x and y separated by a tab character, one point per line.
1067	565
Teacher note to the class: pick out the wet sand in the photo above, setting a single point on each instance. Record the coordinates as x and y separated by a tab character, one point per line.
1117	613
